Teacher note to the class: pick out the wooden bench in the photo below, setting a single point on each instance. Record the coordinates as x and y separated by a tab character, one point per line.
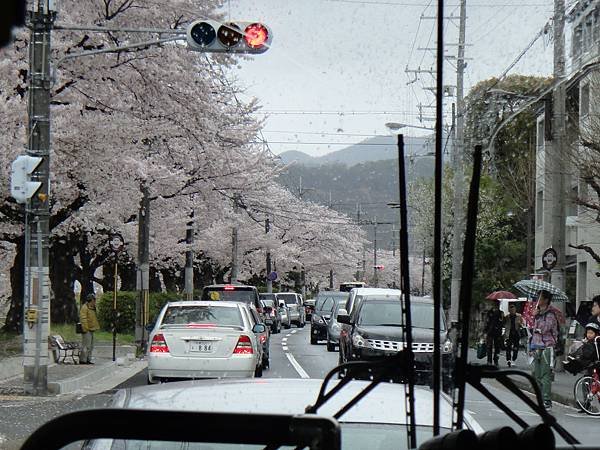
64	349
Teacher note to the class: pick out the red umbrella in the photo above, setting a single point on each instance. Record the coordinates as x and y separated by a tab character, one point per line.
501	295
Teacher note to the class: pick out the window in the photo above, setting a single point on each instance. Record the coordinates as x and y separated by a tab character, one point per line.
581	281
584	100
577	42
539	209
540	135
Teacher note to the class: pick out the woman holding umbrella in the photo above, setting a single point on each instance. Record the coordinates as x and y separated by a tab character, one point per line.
543	341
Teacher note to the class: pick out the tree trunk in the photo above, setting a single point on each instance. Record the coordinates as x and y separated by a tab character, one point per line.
128	276
154	282
86	272
171	280
62	278
14	318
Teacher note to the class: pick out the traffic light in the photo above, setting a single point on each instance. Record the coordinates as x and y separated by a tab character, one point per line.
21	186
232	37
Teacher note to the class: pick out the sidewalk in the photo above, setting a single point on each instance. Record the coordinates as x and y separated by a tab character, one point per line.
65	378
562	387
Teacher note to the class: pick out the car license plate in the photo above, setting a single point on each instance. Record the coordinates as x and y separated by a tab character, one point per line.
201	347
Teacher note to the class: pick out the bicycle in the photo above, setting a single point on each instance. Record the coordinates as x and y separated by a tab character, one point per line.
587	388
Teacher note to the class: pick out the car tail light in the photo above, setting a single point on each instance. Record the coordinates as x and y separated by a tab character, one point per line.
262	338
272	313
159	345
229	287
244	346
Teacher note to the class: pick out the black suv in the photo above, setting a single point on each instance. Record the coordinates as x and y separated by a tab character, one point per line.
375	330
232	293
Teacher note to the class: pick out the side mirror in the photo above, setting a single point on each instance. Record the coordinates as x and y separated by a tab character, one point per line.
259	328
343	317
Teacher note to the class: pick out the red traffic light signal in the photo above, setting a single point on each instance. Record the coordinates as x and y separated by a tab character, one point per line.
232	37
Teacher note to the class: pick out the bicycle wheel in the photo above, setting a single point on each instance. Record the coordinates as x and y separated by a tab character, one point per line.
587	395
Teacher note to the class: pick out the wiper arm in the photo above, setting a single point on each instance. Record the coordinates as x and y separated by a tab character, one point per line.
475	373
395	367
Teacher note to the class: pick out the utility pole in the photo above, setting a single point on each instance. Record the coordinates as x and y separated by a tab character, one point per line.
330	278
234	243
375	278
457	164
37	210
269	270
189	259
557	158
143	268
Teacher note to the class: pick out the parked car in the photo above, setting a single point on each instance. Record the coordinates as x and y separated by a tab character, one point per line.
374	329
324	304
295	307
334	327
377	422
271	312
309	307
198	339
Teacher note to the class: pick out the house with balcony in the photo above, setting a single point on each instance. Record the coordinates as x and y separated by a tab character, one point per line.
582	228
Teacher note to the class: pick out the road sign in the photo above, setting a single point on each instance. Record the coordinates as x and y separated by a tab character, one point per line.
272	276
549	258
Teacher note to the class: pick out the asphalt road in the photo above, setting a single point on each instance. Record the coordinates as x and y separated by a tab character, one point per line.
292	356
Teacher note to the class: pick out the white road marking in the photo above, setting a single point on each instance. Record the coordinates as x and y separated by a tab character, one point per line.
579	416
293	331
284	340
285	348
470	412
297	366
519	413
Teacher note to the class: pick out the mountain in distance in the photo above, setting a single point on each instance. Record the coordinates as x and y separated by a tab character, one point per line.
377	148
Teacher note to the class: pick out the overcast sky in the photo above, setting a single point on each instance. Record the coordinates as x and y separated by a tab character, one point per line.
336	68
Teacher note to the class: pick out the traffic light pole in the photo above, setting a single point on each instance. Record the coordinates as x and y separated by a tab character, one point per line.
189	259
37	292
268	262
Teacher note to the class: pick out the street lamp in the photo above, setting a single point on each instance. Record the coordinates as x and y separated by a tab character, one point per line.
116	244
395	126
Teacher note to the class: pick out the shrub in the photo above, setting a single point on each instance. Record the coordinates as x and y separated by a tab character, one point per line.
126	308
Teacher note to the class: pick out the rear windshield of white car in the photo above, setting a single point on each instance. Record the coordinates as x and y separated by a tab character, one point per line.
289	299
218	316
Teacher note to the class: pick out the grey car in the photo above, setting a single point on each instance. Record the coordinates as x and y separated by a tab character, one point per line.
334	327
293	301
380	420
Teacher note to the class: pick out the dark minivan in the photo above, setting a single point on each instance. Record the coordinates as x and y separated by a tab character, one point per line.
232	293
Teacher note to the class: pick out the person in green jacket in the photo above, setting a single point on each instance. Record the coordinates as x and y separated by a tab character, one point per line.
89	324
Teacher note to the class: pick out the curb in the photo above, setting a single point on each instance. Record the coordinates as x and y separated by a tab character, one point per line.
557	397
76	383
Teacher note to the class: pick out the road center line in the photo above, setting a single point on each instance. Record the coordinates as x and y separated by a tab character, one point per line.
285	348
293	331
297	366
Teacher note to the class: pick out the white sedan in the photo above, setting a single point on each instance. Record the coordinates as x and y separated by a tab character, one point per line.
203	339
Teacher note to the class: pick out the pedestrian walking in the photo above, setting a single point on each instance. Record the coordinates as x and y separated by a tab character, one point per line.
494	319
541	347
513	324
89	324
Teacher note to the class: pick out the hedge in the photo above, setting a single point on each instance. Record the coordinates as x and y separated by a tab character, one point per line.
126	308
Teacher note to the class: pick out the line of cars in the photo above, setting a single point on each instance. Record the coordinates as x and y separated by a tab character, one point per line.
225	334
